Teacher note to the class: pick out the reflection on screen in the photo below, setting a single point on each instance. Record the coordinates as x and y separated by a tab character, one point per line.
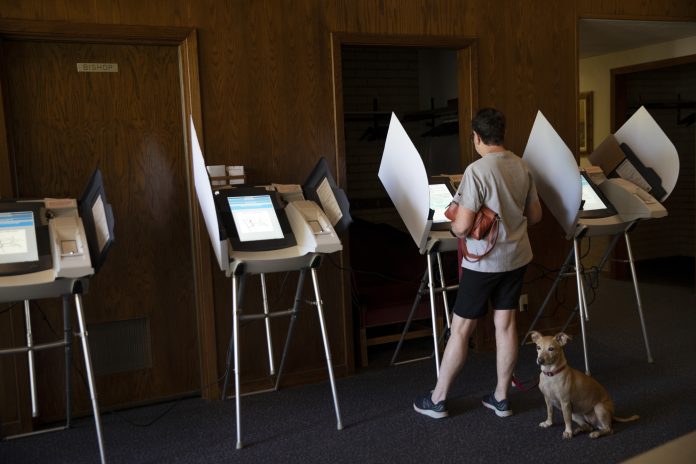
17	237
255	218
440	198
590	199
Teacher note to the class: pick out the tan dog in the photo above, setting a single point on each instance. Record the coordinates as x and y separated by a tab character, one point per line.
579	396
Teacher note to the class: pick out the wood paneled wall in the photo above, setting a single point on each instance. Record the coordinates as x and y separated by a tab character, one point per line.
268	92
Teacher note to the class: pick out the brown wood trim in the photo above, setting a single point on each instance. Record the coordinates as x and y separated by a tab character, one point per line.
341	176
337	86
629	17
203	279
96	33
396	337
468	100
5	158
443	41
186	40
653	65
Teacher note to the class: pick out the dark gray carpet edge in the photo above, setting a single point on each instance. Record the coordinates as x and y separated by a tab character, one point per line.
299	424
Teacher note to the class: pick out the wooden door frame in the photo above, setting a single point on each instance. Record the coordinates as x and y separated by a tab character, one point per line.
185	39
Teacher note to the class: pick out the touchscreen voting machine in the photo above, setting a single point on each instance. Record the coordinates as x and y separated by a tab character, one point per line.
50	248
254	219
45	245
593	203
441	195
420	202
586	203
253	232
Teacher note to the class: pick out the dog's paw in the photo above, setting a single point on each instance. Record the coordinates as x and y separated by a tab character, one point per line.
594	434
567	434
546	424
582	429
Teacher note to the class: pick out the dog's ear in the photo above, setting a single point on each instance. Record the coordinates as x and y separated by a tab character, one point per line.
534	335
562	338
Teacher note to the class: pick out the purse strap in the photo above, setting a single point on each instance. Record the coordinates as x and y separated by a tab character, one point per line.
492	237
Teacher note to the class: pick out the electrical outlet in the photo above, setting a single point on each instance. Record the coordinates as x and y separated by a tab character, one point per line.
523	302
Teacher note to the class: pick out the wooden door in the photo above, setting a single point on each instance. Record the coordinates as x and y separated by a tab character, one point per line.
62	123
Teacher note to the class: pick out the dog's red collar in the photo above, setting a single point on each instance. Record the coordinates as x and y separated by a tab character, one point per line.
552	373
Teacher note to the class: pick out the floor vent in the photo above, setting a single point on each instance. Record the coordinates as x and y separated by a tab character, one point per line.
120	346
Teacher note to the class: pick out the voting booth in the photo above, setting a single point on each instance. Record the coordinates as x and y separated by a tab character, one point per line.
421	202
50	248
633	171
256	230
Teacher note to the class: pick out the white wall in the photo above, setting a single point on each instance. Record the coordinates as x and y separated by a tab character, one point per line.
594	75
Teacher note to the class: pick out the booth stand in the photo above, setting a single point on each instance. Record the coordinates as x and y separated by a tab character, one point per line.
570	269
240	270
607	199
438	243
65	289
421	205
50	249
258	231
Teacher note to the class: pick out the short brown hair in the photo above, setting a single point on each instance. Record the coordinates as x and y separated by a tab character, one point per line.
489	124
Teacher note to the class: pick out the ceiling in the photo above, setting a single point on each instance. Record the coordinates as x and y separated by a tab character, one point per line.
602	36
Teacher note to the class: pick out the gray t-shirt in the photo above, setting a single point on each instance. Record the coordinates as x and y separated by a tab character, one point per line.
501	181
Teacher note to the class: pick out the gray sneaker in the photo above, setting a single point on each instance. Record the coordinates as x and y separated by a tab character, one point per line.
424	405
501	408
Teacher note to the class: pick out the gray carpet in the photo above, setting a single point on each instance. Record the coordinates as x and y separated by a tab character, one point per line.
380	426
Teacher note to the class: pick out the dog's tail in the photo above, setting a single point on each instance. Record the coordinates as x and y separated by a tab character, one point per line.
626	419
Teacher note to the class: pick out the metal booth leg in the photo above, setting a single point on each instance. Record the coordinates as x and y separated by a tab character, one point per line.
233	351
638	300
267	322
237	293
327	351
66	343
293	318
235	337
600	267
67	336
581	299
561	275
30	360
90	374
431	289
443	285
416	302
428	280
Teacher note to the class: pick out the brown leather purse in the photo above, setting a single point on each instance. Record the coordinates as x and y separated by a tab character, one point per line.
486	224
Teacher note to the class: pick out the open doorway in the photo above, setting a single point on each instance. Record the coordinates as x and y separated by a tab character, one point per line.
429	88
419	85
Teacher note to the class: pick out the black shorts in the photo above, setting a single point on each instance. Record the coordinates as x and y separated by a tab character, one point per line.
476	288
